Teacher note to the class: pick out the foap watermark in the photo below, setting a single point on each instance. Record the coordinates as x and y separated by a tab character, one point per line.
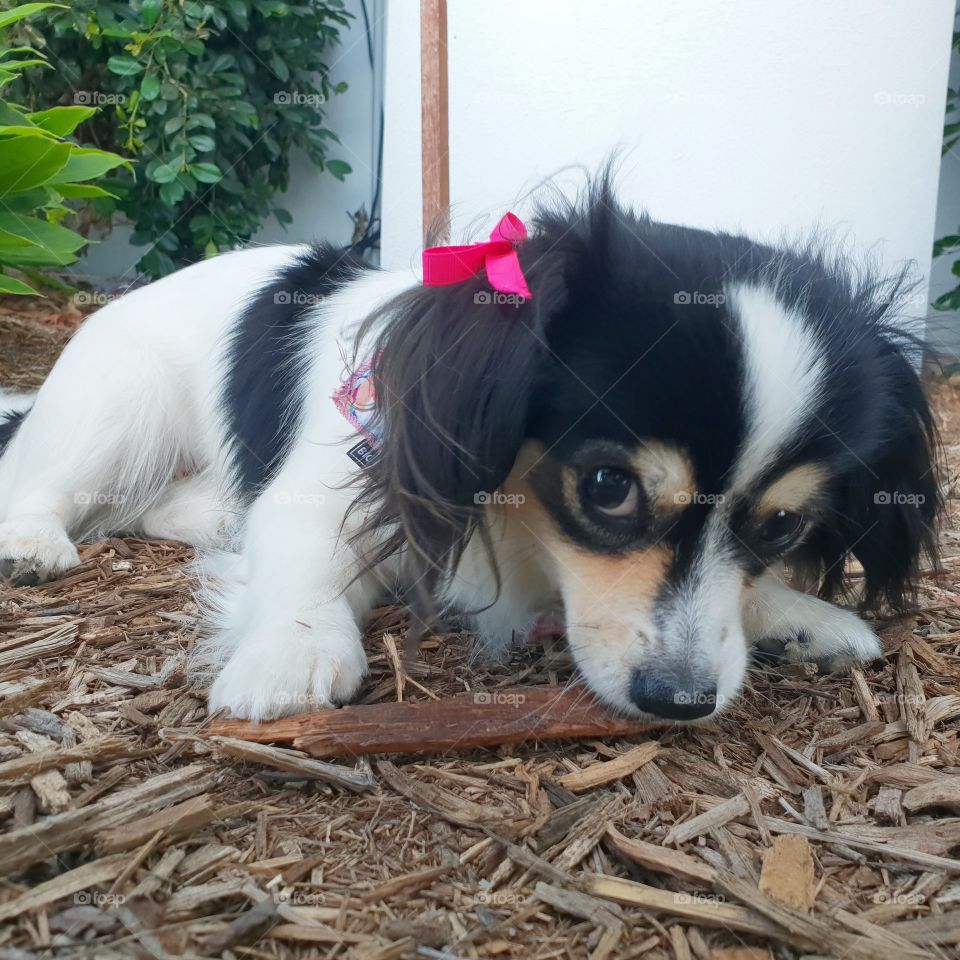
297	498
98	498
302	701
297	298
689	698
898	498
94	298
501	898
97	98
496	298
697	298
688	898
901	699
911	899
297	98
686	497
497	499
90	898
897	98
494	699
300	898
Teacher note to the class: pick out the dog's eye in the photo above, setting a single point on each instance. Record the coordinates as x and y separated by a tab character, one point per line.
612	492
784	525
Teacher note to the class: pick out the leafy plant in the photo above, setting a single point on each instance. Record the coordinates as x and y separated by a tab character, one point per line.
950	243
39	171
210	97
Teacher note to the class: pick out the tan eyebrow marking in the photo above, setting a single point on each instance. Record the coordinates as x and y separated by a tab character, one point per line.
666	474
794	490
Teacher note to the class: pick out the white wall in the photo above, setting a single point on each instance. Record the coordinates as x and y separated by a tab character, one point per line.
767	117
317	201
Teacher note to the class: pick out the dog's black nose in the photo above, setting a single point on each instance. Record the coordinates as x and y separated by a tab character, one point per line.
672	697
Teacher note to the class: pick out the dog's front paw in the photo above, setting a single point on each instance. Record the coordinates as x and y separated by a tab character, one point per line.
807	629
291	673
34	550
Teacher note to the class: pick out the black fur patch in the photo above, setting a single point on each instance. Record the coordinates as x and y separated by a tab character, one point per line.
9	426
265	357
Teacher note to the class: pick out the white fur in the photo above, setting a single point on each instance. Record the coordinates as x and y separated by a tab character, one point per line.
784	370
805	628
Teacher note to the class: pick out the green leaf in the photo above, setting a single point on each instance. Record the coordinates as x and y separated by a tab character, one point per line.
202	142
206	172
124	66
201	120
150	88
30	162
24	10
82	191
150	11
946	244
54	246
61	121
172	193
86	163
14	287
18	132
339	168
163	172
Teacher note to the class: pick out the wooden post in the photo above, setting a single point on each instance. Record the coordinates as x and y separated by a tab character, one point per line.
435	125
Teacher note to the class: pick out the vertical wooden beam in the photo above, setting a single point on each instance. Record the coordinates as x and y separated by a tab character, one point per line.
435	120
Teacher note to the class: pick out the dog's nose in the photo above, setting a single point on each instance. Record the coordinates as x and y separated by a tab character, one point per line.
672	697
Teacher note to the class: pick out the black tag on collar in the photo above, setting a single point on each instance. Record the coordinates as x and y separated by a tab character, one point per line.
363	454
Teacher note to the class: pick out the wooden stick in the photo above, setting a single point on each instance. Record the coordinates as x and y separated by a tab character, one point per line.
463	722
435	123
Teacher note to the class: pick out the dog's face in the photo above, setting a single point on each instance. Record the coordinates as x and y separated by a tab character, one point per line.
672	460
681	411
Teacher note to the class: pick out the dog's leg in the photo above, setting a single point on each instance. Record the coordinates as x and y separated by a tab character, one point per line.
801	627
193	509
289	635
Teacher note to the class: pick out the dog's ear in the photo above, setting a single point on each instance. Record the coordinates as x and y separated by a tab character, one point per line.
890	506
454	371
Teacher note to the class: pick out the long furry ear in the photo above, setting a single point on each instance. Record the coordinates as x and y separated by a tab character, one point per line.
454	370
889	509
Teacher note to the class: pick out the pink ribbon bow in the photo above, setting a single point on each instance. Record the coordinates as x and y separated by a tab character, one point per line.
445	265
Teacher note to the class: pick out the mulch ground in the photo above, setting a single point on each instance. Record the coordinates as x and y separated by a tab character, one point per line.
819	817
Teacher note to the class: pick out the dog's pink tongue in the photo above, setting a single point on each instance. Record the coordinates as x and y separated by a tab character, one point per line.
550	626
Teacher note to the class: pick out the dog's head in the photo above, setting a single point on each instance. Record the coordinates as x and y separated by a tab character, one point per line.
680	411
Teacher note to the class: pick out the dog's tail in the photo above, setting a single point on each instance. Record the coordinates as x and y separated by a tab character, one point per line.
14	407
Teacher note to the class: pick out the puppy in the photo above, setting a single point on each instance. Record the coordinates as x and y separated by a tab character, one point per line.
669	427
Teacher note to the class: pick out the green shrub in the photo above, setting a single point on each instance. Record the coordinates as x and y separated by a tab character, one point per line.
209	97
40	170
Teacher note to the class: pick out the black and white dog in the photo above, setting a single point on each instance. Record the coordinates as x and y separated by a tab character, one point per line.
673	423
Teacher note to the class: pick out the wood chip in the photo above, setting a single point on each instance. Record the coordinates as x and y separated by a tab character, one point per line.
73	881
679	865
581	905
788	873
179	820
717	816
357	780
409	883
939	793
461	722
66	831
599	774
